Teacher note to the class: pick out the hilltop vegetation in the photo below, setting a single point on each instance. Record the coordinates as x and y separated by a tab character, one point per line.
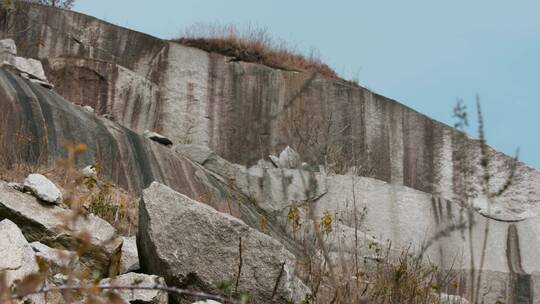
253	45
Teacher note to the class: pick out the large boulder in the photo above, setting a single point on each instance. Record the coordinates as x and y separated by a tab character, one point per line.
17	259
194	246
46	223
30	66
139	296
43	188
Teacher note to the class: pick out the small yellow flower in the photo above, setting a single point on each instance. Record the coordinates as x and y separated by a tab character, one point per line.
326	222
294	217
80	148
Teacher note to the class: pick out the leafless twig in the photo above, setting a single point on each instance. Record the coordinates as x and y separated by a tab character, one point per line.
239	265
278	279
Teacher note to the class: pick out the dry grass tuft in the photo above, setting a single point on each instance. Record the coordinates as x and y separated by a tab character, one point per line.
94	194
389	276
253	45
405	279
108	201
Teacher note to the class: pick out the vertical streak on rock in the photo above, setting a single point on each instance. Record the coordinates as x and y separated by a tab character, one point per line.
396	144
440	222
442	184
519	289
159	77
435	209
377	131
448	210
211	93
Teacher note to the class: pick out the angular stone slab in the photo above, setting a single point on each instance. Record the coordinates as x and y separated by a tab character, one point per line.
192	245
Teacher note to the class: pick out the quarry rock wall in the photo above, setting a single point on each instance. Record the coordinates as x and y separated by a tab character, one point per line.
245	111
196	97
410	172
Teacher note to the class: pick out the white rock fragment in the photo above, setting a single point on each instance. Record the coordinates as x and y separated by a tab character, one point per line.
8	50
89	171
42	83
451	299
43	188
8	45
129	261
288	159
265	164
89	109
157	138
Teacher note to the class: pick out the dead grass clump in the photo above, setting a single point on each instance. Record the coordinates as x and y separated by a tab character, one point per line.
406	279
389	276
108	201
252	45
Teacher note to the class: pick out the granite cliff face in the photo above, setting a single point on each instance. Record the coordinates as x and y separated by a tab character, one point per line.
224	115
203	98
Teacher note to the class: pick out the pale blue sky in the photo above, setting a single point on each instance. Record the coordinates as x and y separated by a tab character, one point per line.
423	53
